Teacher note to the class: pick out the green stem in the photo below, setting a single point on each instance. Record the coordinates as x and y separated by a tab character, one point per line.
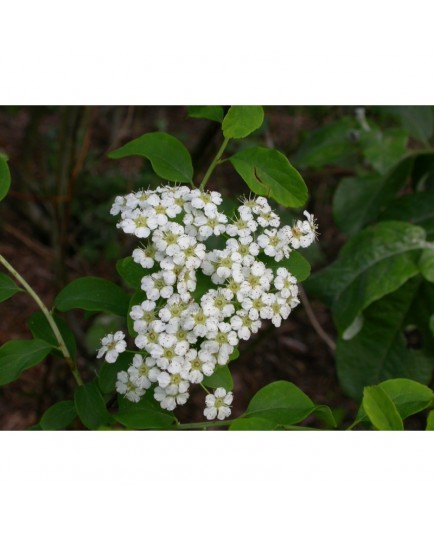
206	424
48	316
213	164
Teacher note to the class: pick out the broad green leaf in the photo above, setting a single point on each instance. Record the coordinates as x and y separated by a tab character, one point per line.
240	121
93	294
379	351
416	208
203	285
18	356
41	329
280	402
417	120
372	264
59	416
168	156
131	272
252	423
409	397
325	414
108	373
430	421
426	265
90	406
296	264
332	144
359	200
268	172
431	324
143	415
7	287
383	149
222	377
213	113
234	355
381	410
5	177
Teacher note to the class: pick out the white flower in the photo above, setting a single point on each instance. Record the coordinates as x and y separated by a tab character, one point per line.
125	386
285	283
145	256
244	325
143	372
112	346
218	405
138	222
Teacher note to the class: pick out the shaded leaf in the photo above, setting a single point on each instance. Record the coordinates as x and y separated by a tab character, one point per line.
90	406
8	288
416	208
108	373
93	294
332	144
213	113
372	264
379	351
426	265
417	120
143	415
430	421
41	329
168	156
59	416
5	177
131	272
383	149
240	121
18	356
268	172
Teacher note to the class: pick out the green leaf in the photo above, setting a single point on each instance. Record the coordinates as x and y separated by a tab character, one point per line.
168	156
143	415
59	416
108	373
18	356
409	397
280	402
416	208
359	200
374	263
131	272
331	144
268	172
431	324
90	406
93	294
240	121
379	351
417	120
7	287
41	329
381	410
222	377
383	149
5	177
430	421
296	264
252	423
426	265
213	113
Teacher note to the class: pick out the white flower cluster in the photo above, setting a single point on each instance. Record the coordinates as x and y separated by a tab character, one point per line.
184	332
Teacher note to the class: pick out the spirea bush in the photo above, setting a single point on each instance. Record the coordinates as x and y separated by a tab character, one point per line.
203	276
182	335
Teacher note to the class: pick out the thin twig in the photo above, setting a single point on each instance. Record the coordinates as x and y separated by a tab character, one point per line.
314	321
